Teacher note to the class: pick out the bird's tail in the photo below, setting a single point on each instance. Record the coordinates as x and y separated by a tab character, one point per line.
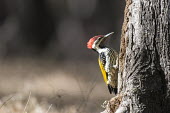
112	90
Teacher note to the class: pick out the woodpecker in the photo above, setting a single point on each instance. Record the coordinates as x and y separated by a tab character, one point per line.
108	61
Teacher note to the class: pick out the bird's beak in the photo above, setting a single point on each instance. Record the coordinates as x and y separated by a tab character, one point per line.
105	37
108	34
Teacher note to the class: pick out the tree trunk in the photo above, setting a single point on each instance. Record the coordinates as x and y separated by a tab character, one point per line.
144	64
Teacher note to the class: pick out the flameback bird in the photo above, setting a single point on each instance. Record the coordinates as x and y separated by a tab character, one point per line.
108	61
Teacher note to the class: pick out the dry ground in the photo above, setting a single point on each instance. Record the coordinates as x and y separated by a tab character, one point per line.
70	87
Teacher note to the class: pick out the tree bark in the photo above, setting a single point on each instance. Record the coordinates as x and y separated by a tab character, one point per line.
144	61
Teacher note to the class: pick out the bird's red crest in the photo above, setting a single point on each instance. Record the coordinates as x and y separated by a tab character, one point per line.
91	41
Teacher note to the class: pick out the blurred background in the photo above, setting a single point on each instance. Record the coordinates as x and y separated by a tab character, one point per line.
43	51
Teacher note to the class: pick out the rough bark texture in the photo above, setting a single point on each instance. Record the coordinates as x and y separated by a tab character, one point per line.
144	74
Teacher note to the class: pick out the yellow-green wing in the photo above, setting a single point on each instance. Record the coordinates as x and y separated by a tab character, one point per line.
103	70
